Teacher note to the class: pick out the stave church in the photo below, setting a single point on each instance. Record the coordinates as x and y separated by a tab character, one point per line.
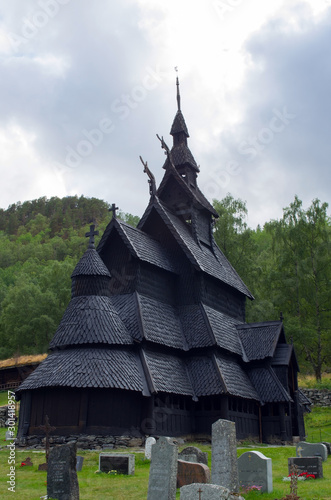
154	340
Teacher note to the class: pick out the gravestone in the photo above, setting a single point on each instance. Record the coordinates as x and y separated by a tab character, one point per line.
312	450
312	465
193	454
62	482
328	446
122	463
163	471
148	447
9	436
198	491
79	463
255	469
224	468
192	472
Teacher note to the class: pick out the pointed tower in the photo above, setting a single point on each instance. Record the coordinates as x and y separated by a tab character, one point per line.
154	339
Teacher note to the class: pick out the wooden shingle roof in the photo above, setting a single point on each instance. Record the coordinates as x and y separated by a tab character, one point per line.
259	340
268	385
202	258
88	367
90	264
140	244
90	319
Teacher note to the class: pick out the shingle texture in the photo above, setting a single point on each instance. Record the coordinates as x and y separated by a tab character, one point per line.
259	340
180	155
203	258
235	378
168	372
179	124
195	327
91	320
90	264
90	367
224	330
160	322
204	377
267	385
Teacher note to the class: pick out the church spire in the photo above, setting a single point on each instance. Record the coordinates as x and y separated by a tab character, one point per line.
178	94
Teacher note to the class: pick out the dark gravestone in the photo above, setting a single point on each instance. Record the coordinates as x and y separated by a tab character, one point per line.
79	463
120	463
192	472
312	465
62	482
193	454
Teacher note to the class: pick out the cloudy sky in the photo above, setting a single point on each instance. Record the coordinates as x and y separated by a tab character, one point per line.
86	86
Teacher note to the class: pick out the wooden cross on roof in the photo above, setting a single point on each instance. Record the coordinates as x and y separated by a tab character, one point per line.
91	235
47	428
113	209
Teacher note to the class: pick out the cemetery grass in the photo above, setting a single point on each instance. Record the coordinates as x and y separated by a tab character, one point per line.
31	483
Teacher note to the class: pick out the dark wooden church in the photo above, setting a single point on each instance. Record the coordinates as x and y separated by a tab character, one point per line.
154	339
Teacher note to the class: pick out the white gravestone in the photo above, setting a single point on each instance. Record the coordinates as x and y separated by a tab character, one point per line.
163	471
148	447
255	469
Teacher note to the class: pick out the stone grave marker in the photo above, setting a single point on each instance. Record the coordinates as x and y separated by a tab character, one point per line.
148	447
192	472
255	469
224	468
312	465
198	491
193	454
328	446
312	450
79	463
122	463
163	471
9	436
62	482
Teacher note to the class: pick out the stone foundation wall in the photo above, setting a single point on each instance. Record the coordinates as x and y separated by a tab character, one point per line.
3	415
319	397
84	442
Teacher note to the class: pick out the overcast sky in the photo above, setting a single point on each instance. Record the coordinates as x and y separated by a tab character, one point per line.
86	86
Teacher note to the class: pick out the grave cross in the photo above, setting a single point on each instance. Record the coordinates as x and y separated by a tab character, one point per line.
91	235
199	491
113	209
47	428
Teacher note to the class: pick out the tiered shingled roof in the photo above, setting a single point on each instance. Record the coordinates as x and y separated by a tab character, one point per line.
139	342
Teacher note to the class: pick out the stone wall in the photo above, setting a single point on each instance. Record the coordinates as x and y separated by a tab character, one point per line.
83	441
319	397
3	415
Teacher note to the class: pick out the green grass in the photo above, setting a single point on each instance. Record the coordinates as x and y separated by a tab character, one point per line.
31	483
3	398
309	381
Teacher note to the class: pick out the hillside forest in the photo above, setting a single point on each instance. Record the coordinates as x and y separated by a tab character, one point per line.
286	265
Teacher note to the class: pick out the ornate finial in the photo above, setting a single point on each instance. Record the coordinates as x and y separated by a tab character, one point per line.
163	145
91	235
113	209
151	180
178	94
